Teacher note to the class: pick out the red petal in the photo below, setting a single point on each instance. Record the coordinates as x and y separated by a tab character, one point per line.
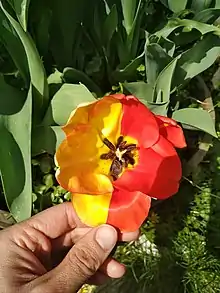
157	173
128	210
171	131
138	121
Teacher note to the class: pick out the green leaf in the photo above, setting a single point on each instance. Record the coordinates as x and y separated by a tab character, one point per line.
175	5
13	44
129	72
196	118
65	101
163	84
208	15
199	5
141	90
65	28
197	59
37	72
72	75
188	24
11	99
15	160
144	93
110	25
156	60
129	10
167	45
21	9
46	139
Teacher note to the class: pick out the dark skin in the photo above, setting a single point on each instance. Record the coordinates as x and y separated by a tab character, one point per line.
54	252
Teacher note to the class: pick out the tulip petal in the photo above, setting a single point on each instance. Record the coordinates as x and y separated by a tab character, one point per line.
79	116
104	115
80	168
138	122
92	210
123	210
171	131
157	173
128	210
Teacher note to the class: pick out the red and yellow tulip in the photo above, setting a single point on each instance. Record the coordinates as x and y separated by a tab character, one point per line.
117	155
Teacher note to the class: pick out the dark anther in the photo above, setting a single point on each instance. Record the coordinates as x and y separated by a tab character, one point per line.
116	168
131	147
109	144
108	156
127	156
119	141
122	146
128	159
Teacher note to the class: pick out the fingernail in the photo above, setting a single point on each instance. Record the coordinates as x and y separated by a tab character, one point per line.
106	236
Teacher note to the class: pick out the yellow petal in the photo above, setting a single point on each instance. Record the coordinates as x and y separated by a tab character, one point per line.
80	168
92	209
105	115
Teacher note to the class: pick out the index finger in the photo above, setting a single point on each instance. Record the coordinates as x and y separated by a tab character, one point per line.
55	221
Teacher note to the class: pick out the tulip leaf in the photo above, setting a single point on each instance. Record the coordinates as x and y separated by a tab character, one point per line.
110	25
188	25
129	70
15	159
129	10
197	59
199	5
197	118
72	75
37	71
156	60
13	44
142	90
11	99
208	15
167	45
21	9
46	139
163	83
65	101
175	5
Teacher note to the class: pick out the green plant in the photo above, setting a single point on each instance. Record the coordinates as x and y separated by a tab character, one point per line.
55	56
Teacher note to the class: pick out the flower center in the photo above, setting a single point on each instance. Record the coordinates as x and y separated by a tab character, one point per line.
121	155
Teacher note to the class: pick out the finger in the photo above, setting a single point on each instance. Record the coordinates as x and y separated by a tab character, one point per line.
98	279
129	236
55	221
81	263
70	238
112	268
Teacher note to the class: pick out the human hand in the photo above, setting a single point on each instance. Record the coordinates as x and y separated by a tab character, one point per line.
54	252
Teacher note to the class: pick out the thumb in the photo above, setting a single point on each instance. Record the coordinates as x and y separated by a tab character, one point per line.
82	261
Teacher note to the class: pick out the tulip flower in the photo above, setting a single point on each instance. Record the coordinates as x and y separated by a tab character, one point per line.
116	156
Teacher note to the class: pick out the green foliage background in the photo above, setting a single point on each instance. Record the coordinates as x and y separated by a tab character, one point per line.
55	55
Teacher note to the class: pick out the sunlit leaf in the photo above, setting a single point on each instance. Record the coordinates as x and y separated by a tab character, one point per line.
37	72
65	101
156	60
21	9
15	159
198	118
46	139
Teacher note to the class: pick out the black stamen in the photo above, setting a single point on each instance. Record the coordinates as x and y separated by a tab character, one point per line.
108	156
131	147
129	159
109	144
116	168
119	141
122	146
